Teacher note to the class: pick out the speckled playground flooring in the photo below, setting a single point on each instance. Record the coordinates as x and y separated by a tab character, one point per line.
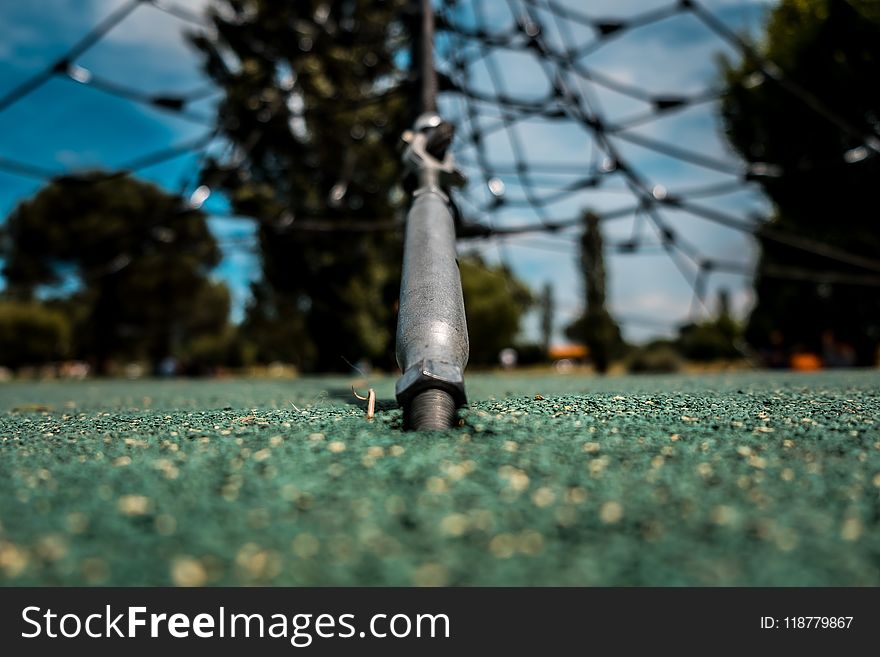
739	479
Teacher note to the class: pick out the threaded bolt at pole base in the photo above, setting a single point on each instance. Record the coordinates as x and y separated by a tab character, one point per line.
431	410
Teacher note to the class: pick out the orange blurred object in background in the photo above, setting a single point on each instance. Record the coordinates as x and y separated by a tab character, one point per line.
805	362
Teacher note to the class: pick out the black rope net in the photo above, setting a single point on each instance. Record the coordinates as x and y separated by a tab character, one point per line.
558	111
561	111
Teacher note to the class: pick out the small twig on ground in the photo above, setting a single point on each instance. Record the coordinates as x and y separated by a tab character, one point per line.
370	399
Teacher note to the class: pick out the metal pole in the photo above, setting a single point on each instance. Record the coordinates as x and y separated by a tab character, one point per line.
423	58
432	339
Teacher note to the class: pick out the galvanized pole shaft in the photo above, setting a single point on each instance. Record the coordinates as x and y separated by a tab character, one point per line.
423	58
432	339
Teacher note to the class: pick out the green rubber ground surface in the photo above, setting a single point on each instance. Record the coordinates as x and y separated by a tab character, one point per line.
748	479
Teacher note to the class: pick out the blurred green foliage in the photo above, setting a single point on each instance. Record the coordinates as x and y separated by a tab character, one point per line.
715	339
495	302
32	334
127	264
314	104
831	49
656	357
547	304
273	330
708	341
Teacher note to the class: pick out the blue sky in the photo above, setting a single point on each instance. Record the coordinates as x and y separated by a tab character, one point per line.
67	126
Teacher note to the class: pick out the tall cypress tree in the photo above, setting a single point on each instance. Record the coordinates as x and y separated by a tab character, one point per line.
596	328
548	310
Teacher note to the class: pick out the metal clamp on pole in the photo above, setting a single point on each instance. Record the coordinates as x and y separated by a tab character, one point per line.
432	338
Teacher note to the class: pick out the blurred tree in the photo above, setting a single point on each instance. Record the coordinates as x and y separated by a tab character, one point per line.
136	258
273	329
31	334
656	357
830	48
596	328
314	107
715	339
548	309
495	302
